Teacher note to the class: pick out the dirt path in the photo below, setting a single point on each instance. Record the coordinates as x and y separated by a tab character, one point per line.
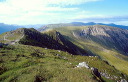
12	42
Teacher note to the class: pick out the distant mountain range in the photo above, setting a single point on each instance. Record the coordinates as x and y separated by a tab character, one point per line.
36	26
41	27
8	27
78	24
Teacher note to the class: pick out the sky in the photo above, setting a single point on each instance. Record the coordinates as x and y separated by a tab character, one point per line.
24	12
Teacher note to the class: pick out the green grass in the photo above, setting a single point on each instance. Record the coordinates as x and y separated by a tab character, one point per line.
23	63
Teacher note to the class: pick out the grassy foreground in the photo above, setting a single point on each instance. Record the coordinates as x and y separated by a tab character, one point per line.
23	63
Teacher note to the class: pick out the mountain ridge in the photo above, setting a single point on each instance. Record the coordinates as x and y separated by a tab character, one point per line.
101	40
41	27
51	40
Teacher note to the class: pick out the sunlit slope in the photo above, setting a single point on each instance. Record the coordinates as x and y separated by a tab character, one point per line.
97	46
25	63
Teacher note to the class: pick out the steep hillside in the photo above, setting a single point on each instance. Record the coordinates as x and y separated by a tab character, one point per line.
109	43
51	40
109	37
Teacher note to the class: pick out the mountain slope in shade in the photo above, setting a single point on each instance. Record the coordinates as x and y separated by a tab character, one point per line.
51	40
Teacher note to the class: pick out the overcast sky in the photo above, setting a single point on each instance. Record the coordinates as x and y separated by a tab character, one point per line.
24	12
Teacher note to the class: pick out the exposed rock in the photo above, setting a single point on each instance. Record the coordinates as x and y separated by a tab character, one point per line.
83	64
108	76
123	80
58	50
46	48
110	37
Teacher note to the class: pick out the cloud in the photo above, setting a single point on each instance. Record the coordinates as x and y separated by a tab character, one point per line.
40	4
17	11
49	2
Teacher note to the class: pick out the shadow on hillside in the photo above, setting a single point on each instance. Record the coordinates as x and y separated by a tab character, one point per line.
36	38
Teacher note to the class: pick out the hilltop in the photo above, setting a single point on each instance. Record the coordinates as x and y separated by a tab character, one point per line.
51	40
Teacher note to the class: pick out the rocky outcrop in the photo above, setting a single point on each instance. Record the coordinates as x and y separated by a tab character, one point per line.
110	37
83	64
123	80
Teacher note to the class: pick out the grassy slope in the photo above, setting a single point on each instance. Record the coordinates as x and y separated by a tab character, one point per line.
25	63
7	37
112	56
